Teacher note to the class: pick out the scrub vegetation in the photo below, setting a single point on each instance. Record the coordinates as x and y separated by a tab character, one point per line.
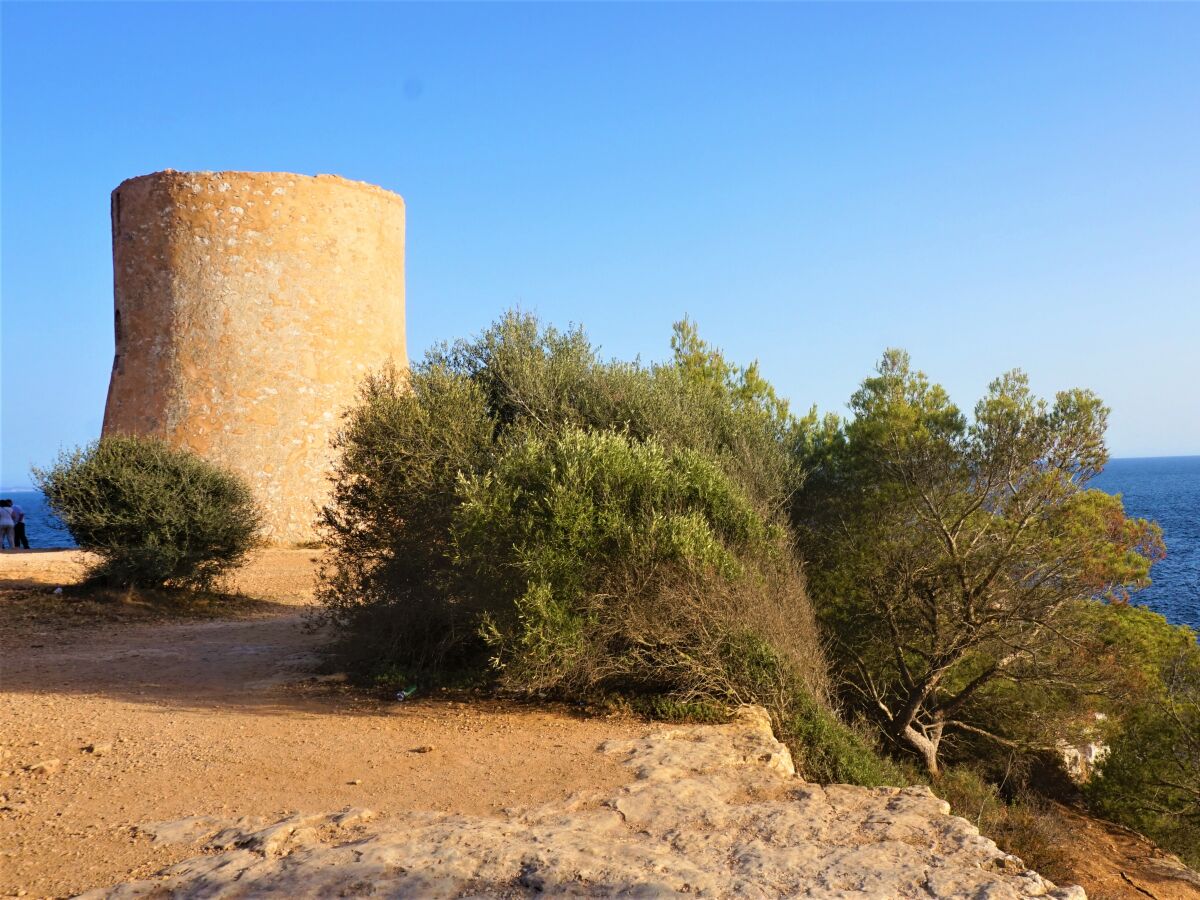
155	516
516	510
914	593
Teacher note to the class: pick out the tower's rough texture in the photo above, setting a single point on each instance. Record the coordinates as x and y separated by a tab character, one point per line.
249	306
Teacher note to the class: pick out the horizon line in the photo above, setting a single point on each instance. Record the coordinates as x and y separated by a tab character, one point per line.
30	487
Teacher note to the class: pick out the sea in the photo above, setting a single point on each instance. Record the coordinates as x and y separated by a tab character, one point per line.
1165	489
42	529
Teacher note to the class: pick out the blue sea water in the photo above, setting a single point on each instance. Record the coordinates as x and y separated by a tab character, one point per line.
1165	489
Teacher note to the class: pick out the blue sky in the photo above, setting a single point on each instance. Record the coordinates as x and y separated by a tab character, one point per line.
987	186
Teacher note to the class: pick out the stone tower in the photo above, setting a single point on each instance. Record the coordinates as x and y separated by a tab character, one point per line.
248	308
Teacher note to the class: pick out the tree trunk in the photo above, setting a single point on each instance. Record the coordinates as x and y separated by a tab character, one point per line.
926	746
925	741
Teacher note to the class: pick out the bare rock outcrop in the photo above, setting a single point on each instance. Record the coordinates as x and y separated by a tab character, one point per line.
710	811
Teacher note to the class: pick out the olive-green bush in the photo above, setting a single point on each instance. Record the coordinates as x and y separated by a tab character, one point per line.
393	581
515	510
613	563
155	516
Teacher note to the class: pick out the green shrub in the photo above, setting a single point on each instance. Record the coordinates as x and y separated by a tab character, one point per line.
389	582
513	506
1150	780
617	564
827	750
155	516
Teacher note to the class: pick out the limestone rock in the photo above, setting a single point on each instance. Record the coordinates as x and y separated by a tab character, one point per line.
351	817
45	768
181	831
710	812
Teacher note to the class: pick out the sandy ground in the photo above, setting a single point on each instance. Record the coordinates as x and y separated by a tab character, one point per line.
222	717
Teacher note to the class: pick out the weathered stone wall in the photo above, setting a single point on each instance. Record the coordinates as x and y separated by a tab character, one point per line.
248	308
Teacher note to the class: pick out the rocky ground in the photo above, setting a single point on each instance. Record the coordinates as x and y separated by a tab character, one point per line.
710	811
201	756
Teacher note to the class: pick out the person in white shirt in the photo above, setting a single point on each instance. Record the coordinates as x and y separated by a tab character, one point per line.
7	526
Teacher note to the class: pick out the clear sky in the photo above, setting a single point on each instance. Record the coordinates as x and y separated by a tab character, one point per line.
987	186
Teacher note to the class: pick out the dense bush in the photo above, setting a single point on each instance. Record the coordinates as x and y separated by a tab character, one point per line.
393	579
613	563
390	582
154	515
1150	779
515	509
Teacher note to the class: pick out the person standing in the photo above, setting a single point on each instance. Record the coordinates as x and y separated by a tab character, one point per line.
18	515
7	529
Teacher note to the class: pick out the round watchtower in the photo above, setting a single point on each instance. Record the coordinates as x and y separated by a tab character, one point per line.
248	308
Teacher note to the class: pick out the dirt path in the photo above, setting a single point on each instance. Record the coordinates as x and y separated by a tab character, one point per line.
223	718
